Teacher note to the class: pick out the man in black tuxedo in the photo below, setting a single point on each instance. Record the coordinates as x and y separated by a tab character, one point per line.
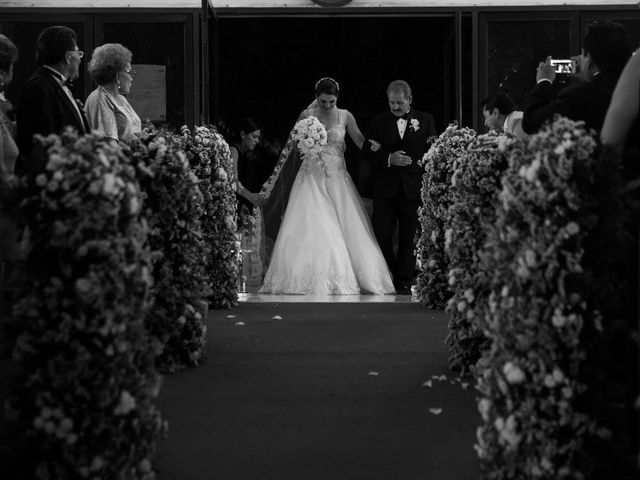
605	50
403	135
46	104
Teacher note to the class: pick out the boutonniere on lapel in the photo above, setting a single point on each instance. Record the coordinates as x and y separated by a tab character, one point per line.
80	104
415	124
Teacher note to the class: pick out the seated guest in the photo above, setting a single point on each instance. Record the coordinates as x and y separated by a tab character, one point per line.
8	147
46	104
500	114
605	49
107	108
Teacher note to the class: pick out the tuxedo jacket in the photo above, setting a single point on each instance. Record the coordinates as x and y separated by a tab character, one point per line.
588	101
43	108
390	181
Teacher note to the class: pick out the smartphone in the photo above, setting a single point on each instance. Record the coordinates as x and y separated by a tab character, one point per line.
562	66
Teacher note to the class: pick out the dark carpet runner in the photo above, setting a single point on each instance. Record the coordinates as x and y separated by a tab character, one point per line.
328	391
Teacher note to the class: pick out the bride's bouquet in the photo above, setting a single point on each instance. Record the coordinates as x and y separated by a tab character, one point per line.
310	136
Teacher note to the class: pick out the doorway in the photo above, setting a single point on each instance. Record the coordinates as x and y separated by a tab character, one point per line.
266	68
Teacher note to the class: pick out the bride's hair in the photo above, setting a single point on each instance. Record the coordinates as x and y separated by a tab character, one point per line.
328	86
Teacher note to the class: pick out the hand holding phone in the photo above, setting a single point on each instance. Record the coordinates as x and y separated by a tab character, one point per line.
562	66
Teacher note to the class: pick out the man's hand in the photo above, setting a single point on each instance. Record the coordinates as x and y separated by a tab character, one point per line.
399	159
375	146
545	71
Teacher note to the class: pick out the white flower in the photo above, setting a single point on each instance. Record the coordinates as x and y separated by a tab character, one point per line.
531	174
558	319
41	180
559	150
468	294
513	373
572	228
522	271
96	464
54	162
145	466
484	405
109	184
127	403
558	375
415	124
507	431
448	238
549	381
530	258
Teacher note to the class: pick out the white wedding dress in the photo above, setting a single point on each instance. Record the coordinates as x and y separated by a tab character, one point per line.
325	244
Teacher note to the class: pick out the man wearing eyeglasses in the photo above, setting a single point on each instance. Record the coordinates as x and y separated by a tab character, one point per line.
46	104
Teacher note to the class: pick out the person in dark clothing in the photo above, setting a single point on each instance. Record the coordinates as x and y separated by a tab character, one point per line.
605	50
46	104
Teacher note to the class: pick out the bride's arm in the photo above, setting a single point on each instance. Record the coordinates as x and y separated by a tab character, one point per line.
303	114
353	130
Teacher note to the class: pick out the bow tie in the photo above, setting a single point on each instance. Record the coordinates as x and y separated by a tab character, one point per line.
403	117
60	78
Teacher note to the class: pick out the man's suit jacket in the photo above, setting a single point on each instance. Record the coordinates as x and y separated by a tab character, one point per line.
43	108
388	181
588	101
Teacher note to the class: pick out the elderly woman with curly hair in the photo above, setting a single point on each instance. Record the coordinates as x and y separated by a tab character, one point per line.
107	108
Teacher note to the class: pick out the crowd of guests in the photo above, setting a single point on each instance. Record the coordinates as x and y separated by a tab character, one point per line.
46	104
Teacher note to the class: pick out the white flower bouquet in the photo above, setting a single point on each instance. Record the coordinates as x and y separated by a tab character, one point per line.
310	136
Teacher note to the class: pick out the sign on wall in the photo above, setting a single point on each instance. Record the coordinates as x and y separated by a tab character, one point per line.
148	95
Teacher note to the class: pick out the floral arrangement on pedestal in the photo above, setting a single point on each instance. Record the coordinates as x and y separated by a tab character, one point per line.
89	380
475	187
210	159
529	380
173	207
442	159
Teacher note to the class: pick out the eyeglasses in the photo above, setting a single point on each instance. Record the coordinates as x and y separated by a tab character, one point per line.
79	52
131	72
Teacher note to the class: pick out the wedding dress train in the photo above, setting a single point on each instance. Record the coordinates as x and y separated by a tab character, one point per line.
325	244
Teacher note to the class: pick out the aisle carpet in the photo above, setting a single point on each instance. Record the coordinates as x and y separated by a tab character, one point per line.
327	391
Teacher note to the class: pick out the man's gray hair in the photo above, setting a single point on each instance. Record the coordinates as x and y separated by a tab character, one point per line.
400	86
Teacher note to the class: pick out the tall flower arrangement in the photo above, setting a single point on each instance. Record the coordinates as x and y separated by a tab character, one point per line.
173	206
88	375
530	383
475	188
210	160
442	159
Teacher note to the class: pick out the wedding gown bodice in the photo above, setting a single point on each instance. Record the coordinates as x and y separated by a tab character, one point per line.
330	162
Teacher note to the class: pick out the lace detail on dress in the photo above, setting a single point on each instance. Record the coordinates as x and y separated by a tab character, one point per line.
335	281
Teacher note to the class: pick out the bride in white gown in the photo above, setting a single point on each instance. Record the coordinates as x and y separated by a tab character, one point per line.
325	244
